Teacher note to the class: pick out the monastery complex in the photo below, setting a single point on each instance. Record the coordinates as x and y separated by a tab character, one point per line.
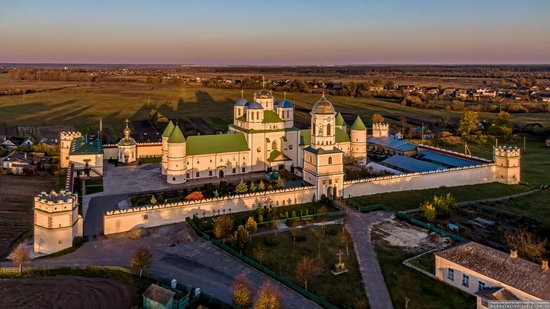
262	138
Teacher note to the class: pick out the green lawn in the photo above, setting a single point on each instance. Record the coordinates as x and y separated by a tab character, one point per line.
422	291
345	291
412	199
535	206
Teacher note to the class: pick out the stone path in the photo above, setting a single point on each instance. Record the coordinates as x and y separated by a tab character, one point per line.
359	225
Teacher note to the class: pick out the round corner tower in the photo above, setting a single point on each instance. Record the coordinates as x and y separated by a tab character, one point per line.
165	135
177	163
359	141
56	221
507	164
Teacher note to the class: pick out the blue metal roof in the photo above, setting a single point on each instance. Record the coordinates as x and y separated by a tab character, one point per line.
411	164
392	143
444	159
254	105
241	102
284	104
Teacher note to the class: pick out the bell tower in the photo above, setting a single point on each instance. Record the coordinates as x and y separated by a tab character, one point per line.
323	162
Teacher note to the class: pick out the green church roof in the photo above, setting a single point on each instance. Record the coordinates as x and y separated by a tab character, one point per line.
219	143
86	145
271	117
358	124
176	136
339	120
276	156
305	136
168	130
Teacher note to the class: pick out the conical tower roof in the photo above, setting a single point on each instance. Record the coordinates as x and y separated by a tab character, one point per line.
176	136
339	121
358	124
168	130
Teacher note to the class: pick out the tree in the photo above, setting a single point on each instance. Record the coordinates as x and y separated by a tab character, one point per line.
251	225
241	237
502	125
377	118
241	187
457	105
20	256
444	204
261	186
280	183
345	240
323	214
141	259
242	293
259	254
430	212
252	187
268	297
195	196
526	243
222	227
468	123
305	269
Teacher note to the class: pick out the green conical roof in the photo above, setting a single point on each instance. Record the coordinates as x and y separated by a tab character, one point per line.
340	120
176	136
168	130
358	124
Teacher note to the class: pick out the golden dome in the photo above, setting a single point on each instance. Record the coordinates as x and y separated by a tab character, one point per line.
323	106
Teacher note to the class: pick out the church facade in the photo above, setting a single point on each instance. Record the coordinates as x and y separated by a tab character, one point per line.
263	137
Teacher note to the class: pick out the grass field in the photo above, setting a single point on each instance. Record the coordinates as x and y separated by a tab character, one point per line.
345	291
422	291
83	105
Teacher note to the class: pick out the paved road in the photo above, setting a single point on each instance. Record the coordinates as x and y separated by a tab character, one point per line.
359	225
178	254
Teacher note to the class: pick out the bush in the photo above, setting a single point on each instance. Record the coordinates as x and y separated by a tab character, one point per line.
78	241
271	242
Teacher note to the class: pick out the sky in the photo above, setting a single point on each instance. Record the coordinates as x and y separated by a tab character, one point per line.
298	32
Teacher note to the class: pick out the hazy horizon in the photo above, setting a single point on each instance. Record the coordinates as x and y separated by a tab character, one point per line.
248	33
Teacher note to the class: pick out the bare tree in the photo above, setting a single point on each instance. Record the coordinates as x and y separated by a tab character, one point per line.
305	270
141	259
21	256
345	240
259	254
526	243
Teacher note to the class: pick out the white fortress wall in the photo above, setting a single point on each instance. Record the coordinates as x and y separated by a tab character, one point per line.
416	181
110	152
149	216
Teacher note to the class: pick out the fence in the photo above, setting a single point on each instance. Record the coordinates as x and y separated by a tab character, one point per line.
289	283
196	229
429	226
373	207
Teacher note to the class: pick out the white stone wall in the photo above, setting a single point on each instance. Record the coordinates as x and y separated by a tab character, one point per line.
417	181
124	220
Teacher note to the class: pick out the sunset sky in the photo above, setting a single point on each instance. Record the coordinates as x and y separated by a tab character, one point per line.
275	32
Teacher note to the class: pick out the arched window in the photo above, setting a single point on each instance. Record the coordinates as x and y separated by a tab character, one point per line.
251	115
258	115
328	129
329	160
320	132
274	145
288	114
